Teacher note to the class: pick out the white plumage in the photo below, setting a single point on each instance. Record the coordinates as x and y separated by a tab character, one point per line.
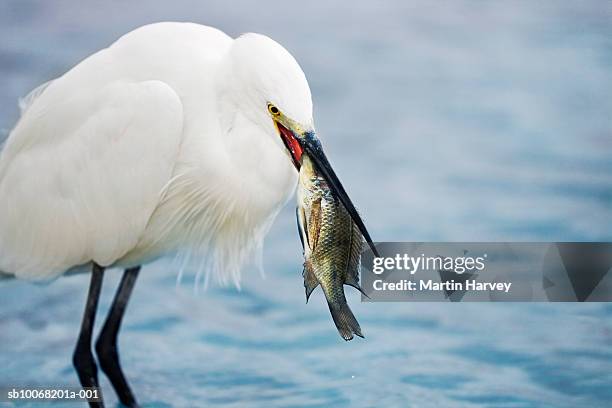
159	143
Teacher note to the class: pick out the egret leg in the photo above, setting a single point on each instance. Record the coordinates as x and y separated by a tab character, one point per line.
82	358
106	345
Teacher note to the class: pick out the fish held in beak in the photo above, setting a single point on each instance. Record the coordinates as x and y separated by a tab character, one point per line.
311	146
332	246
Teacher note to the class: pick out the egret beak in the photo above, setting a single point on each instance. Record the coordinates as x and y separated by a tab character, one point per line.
311	146
299	141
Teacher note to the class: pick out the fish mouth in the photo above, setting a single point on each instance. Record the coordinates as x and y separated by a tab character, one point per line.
291	143
311	146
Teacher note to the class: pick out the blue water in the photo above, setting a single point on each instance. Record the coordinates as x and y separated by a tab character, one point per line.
446	121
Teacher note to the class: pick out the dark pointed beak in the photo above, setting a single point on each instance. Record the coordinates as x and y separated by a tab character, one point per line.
312	146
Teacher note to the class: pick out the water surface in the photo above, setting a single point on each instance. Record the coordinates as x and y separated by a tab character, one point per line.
454	121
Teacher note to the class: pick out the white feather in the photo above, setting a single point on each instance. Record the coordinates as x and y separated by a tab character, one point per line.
160	143
25	102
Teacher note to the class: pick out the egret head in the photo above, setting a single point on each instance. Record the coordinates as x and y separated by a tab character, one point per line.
270	89
257	71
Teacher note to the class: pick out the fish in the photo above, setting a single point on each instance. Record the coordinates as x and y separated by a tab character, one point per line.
332	245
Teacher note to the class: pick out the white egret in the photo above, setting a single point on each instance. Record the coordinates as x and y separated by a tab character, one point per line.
176	137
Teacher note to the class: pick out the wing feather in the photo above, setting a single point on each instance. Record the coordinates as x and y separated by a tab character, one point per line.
28	100
82	172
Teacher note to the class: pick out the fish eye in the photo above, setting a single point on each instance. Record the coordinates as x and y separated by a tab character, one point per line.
273	109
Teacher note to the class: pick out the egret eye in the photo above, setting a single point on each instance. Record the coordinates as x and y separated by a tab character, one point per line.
273	109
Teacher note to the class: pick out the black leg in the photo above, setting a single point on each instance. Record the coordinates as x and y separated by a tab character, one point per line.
106	345
82	358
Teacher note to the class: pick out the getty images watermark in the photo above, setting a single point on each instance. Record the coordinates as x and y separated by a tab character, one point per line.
413	264
488	272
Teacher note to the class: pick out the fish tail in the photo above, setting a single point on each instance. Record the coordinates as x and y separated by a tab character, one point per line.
345	320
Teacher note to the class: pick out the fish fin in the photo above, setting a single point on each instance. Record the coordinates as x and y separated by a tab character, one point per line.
345	320
354	257
358	287
299	219
314	224
310	280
